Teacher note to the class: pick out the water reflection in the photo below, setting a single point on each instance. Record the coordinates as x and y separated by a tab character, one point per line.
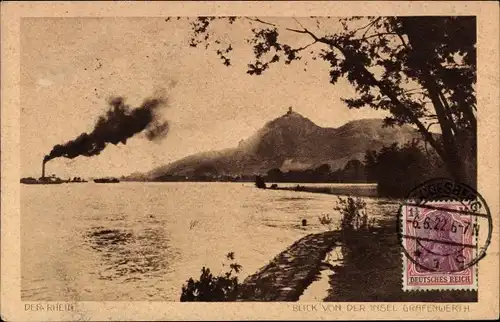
156	242
292	198
129	254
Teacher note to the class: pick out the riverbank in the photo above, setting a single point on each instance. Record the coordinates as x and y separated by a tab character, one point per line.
359	190
287	276
370	271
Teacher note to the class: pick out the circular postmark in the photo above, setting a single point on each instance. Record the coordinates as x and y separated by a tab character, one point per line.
442	224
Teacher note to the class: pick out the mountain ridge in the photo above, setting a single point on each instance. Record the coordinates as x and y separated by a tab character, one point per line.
289	142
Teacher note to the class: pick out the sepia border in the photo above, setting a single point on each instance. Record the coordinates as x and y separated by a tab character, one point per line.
13	309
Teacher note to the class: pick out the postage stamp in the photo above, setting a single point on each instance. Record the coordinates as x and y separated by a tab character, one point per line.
440	238
441	242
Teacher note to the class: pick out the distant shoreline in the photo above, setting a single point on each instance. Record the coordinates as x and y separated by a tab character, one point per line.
347	189
253	181
331	188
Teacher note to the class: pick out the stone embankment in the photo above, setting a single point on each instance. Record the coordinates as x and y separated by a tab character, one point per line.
287	276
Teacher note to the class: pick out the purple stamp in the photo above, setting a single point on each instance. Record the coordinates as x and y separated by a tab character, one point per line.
445	230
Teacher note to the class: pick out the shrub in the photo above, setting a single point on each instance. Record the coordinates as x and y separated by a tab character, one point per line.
326	220
353	214
355	227
260	183
210	288
299	188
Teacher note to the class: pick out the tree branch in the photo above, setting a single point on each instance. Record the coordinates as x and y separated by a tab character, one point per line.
299	23
261	21
378	35
385	91
302	48
370	25
394	99
296	30
427	128
402	40
448	111
305	31
400	36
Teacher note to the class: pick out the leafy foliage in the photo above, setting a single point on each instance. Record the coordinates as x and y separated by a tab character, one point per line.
353	213
420	69
326	220
399	169
210	288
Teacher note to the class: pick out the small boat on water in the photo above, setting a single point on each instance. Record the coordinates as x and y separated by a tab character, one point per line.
77	180
42	180
106	180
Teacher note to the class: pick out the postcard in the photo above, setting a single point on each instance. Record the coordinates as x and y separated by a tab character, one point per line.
249	160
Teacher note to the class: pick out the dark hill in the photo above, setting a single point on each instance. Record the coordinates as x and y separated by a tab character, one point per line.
291	141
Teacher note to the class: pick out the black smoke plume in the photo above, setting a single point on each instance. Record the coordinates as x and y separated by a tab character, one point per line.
118	124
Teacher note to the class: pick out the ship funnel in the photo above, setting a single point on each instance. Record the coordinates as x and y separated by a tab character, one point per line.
43	169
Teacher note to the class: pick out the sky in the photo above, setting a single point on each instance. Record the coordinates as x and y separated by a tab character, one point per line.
71	66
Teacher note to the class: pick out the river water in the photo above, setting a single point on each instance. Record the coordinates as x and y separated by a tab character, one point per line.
142	241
